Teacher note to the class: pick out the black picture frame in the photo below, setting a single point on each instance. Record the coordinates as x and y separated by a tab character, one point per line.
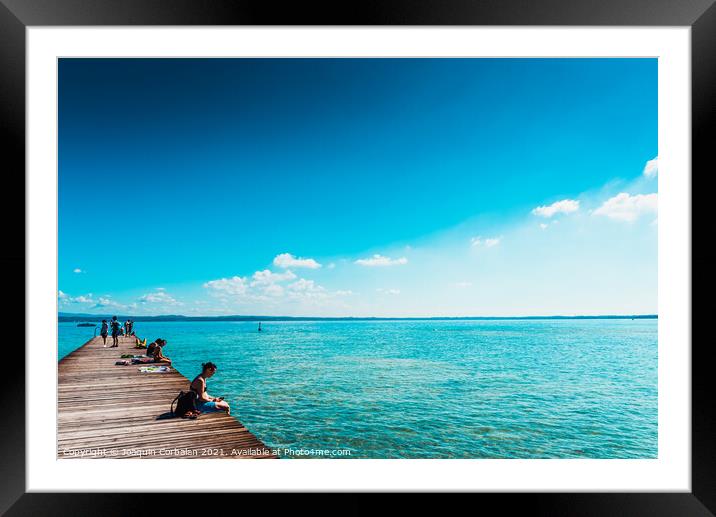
17	15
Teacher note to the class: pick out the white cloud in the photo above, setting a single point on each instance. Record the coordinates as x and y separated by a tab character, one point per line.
100	303
105	303
77	270
262	284
381	261
543	226
273	290
651	169
463	285
266	286
267	277
158	296
308	291
266	283
235	285
305	285
624	207
286	260
388	291
304	289
565	206
487	243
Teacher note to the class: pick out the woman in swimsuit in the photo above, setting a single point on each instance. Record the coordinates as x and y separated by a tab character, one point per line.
116	326
155	352
206	403
103	332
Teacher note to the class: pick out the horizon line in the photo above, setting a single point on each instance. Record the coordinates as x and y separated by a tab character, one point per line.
65	315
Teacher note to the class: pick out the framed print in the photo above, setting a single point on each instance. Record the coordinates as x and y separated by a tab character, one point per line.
407	250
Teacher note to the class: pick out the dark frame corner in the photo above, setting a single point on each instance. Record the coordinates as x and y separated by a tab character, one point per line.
16	15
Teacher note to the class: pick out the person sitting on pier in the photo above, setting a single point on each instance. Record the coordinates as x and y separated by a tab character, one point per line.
158	356
151	346
206	403
154	350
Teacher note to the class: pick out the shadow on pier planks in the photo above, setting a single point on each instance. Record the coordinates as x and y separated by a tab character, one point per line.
109	411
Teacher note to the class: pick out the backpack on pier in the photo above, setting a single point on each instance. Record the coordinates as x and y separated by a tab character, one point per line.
185	402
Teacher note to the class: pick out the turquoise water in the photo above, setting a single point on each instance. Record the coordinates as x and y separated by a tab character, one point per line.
430	389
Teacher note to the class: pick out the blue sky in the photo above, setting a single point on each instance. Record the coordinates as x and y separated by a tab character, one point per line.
365	187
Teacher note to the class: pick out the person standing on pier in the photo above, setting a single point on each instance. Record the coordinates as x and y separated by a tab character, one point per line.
103	332
116	328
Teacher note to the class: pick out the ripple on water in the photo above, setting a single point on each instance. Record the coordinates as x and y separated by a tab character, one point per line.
432	389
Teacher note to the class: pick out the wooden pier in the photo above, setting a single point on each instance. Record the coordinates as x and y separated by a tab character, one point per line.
109	411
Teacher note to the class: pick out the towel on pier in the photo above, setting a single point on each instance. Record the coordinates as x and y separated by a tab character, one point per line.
122	363
155	369
142	360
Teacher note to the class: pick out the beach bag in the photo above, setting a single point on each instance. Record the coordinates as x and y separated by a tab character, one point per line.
185	402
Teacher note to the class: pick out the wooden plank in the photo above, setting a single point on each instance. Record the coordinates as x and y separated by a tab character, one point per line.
110	411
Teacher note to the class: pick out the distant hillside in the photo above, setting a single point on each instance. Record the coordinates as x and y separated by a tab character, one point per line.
78	317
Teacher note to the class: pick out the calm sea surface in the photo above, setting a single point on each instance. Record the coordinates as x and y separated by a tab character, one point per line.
429	389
